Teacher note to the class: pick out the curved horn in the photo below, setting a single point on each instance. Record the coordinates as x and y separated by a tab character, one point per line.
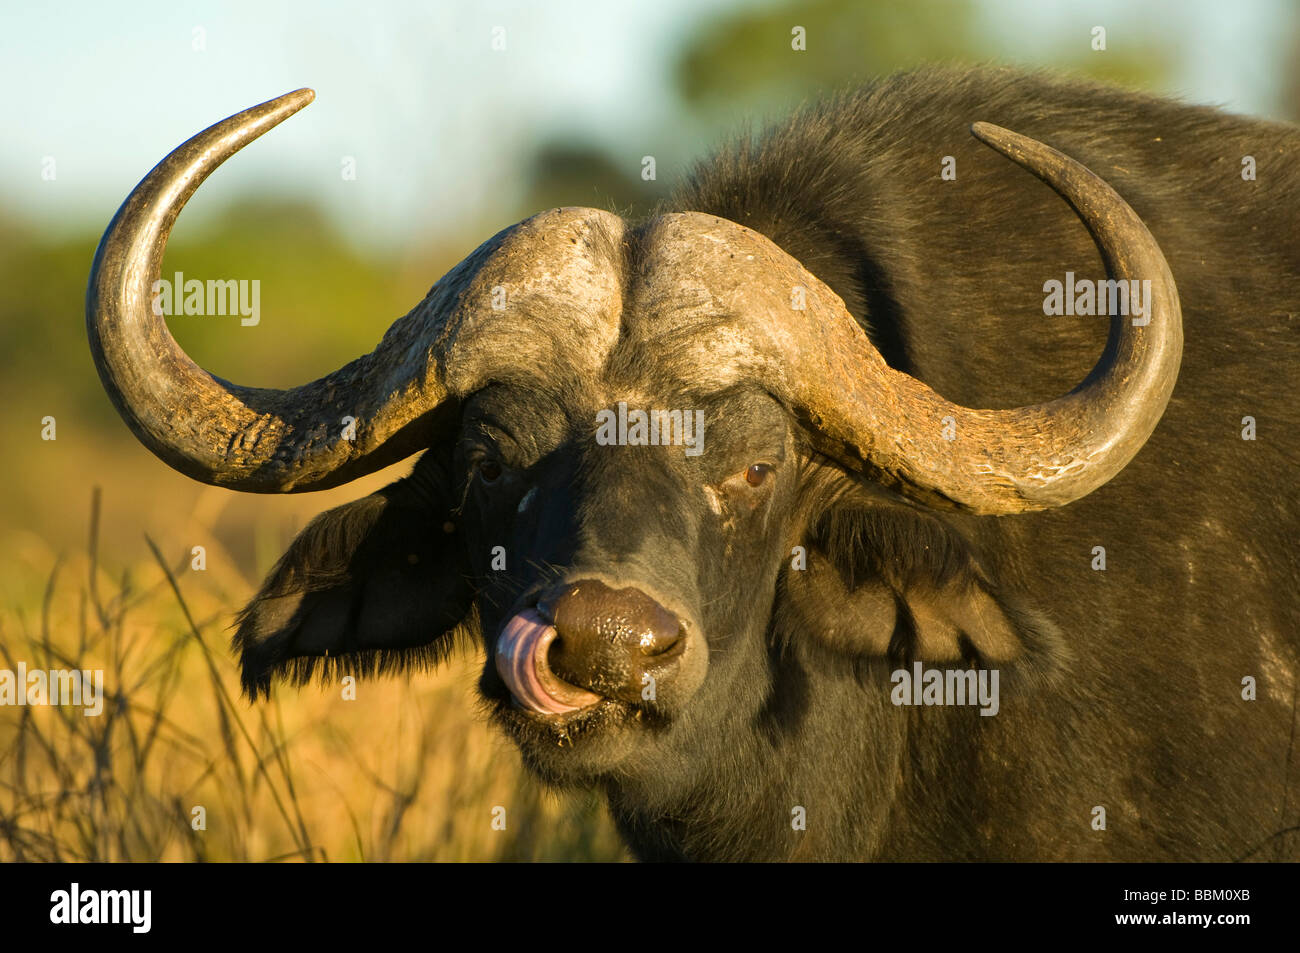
871	416
558	270
244	438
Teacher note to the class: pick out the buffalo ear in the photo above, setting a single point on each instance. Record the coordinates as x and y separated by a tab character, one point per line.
377	585
892	582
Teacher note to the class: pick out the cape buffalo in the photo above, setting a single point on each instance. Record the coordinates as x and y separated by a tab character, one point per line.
721	495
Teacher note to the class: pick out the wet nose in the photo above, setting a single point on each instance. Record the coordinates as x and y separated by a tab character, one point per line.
607	639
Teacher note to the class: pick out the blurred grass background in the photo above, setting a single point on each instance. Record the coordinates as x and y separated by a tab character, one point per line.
408	771
400	773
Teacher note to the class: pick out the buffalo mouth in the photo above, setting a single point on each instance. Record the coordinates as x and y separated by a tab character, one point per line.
551	680
523	661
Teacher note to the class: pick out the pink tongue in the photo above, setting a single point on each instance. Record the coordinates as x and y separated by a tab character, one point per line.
521	662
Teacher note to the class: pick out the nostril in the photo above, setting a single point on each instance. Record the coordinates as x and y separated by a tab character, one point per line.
657	642
546	609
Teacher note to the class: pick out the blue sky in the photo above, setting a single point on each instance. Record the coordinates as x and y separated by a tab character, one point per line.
439	123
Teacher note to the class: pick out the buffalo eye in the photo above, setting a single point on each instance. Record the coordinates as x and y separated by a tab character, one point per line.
489	471
757	473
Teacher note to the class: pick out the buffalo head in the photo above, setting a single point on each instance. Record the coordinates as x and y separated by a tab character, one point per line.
646	448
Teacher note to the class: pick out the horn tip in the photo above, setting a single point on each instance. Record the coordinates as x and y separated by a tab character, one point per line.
989	133
1009	143
300	97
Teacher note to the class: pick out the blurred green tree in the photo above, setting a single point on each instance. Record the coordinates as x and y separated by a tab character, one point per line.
576	172
743	66
748	58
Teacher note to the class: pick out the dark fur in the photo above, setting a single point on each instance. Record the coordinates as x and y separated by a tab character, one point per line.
1124	686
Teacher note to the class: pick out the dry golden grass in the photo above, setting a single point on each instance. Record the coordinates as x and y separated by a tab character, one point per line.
406	771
